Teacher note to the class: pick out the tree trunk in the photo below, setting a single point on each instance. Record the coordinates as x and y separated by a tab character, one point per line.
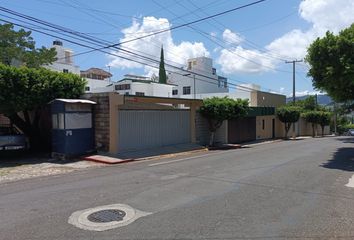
287	128
313	129
213	126
211	140
322	127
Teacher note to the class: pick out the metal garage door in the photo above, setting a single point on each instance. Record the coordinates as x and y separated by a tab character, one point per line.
141	129
242	130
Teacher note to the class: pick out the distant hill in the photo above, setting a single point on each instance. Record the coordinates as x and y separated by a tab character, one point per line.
321	99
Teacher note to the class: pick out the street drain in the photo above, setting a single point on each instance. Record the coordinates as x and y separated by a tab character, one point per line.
108	215
105	217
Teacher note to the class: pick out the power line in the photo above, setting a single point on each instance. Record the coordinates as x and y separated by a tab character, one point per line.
242	88
189	23
206	35
82	36
247	42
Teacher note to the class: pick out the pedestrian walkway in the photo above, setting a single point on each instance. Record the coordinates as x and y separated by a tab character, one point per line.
161	152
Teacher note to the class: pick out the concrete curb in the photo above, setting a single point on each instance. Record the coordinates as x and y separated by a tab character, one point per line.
106	159
171	155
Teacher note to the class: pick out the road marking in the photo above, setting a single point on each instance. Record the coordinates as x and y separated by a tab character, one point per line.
351	182
188	158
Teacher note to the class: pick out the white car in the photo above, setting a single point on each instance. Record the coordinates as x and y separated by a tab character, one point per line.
10	139
351	132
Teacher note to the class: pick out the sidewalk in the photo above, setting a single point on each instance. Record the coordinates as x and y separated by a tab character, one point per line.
144	154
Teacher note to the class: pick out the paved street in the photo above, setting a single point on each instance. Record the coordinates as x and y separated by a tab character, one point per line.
282	190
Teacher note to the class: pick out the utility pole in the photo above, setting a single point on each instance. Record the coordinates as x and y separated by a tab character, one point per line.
293	62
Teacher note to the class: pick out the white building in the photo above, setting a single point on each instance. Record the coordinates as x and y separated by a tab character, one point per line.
65	61
96	78
139	86
243	91
202	78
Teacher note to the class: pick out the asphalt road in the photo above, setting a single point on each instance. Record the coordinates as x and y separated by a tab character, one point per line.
282	190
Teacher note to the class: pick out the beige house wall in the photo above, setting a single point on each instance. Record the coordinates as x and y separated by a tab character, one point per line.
304	128
107	114
264	99
267	131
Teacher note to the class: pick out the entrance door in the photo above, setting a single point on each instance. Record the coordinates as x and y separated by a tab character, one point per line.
242	130
273	128
142	129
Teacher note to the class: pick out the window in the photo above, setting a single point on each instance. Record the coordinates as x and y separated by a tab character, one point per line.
175	92
78	120
126	93
58	121
65	70
87	89
122	87
67	57
139	93
189	65
222	82
214	71
263	124
186	90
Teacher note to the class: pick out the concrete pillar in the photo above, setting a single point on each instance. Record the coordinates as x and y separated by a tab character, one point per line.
114	101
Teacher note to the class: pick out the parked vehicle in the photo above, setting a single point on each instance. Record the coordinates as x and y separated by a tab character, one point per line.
351	132
11	139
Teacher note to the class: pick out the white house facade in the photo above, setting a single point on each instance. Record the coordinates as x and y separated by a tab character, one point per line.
201	78
65	61
96	78
139	86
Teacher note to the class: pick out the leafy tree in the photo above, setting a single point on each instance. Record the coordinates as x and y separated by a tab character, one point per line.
288	115
19	46
306	104
313	117
217	109
331	61
324	120
24	91
162	71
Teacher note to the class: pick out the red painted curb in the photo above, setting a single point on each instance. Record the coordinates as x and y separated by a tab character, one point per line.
107	162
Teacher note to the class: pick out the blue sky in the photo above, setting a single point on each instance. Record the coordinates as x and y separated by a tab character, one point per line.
248	45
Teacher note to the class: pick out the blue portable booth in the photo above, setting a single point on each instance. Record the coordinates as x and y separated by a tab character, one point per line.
72	127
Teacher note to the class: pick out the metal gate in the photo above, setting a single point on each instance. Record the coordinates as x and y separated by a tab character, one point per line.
242	130
142	129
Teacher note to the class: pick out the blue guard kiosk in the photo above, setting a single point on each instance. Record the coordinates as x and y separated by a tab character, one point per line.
72	127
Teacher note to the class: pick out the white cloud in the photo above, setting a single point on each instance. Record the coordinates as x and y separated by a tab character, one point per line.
243	60
305	93
332	15
324	15
176	54
231	37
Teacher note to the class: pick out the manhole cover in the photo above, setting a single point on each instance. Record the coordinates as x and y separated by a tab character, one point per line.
108	215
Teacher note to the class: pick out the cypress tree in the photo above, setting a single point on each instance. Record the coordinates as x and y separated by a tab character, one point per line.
162	71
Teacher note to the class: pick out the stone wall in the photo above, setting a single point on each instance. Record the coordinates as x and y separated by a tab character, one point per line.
203	134
101	119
